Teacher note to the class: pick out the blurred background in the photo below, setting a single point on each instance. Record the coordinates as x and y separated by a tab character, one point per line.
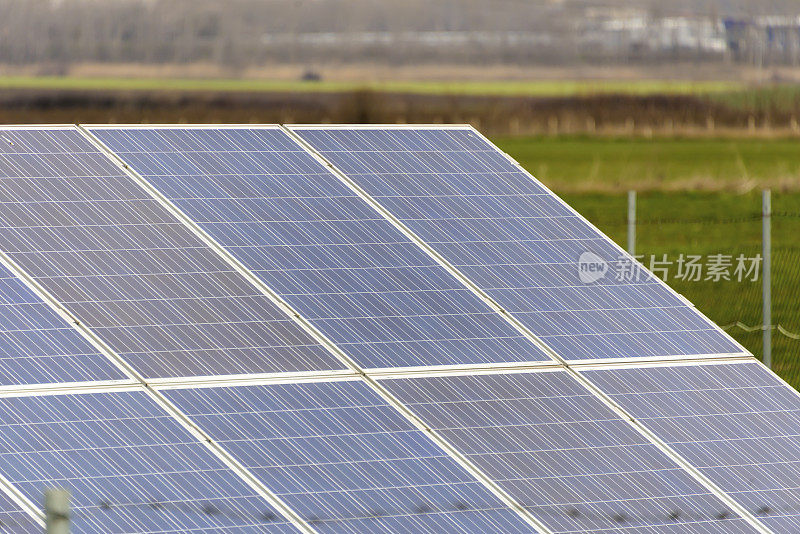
693	104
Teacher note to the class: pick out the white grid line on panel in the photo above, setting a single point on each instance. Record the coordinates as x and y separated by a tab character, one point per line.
553	368
647	360
193	126
257	382
321	376
472	469
244	379
409	372
99	386
639	427
454	126
589	365
45	127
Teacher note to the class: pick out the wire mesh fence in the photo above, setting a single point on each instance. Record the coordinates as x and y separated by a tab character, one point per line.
709	248
587	515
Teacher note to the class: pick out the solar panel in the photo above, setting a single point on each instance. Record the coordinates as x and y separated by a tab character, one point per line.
129	466
341	264
737	423
518	242
134	274
15	521
37	346
339	454
344	459
563	455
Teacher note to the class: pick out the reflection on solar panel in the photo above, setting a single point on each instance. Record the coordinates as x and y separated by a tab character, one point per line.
130	271
129	466
37	346
13	520
564	455
736	422
345	460
336	260
518	242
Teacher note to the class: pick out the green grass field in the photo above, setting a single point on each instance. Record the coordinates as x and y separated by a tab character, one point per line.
774	98
593	175
587	164
500	88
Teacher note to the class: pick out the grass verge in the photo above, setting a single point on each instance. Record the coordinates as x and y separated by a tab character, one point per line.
594	164
542	88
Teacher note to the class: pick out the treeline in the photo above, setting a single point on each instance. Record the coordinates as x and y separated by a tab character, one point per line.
234	33
593	115
241	33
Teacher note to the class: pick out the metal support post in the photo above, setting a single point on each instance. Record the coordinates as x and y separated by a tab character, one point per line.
632	223
766	274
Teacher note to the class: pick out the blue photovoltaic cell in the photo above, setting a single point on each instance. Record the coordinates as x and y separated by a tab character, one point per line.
15	521
518	242
37	346
345	460
129	270
737	423
563	455
336	260
129	466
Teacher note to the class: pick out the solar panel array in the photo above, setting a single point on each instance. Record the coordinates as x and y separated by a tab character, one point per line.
336	260
129	270
353	329
517	241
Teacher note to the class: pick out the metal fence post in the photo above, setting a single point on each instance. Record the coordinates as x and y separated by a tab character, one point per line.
56	510
632	223
766	274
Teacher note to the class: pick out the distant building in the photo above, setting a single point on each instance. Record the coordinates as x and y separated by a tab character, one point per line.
773	39
631	33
